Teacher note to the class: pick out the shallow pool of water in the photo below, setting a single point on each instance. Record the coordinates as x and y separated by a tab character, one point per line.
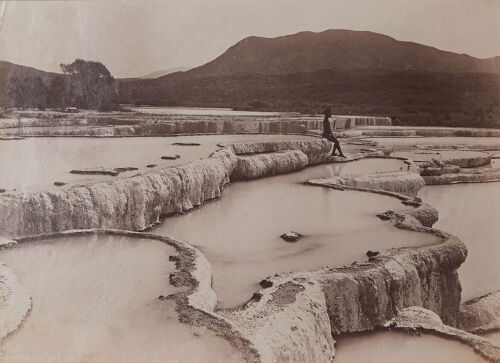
95	299
396	347
240	233
470	211
35	164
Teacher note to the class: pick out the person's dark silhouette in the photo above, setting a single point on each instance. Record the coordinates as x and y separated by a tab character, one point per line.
328	134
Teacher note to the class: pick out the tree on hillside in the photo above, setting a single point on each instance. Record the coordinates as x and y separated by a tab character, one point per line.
92	85
60	92
29	92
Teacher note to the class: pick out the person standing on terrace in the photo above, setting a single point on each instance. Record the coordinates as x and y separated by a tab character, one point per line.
328	134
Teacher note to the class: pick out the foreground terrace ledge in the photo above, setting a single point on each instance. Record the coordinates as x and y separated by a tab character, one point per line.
307	304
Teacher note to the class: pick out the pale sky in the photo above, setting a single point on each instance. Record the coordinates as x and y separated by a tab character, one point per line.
133	38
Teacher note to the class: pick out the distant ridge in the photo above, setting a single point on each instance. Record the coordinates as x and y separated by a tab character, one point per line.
339	50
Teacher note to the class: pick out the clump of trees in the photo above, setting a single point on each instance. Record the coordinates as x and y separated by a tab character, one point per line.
84	84
29	92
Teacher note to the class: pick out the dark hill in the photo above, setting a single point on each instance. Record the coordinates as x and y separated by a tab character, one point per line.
10	70
338	50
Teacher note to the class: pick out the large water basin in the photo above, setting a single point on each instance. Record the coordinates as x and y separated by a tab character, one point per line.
470	211
240	233
396	347
95	299
35	164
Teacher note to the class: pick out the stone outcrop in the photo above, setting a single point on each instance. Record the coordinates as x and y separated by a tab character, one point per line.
408	183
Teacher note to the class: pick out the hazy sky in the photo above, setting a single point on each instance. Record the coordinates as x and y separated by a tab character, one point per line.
133	38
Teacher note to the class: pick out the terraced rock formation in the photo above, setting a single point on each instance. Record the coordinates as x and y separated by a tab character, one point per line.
297	315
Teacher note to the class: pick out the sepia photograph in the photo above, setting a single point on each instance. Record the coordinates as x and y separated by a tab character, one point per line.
254	181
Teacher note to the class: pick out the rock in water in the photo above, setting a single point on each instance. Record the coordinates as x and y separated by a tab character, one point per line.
291	236
170	157
266	283
186	144
95	171
59	184
126	168
371	253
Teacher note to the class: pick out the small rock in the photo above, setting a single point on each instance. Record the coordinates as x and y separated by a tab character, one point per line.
291	236
126	168
170	157
256	296
151	166
59	184
411	203
265	284
385	216
371	253
168	297
186	143
95	171
2	190
173	258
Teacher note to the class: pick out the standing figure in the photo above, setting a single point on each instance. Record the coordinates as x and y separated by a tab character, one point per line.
328	134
